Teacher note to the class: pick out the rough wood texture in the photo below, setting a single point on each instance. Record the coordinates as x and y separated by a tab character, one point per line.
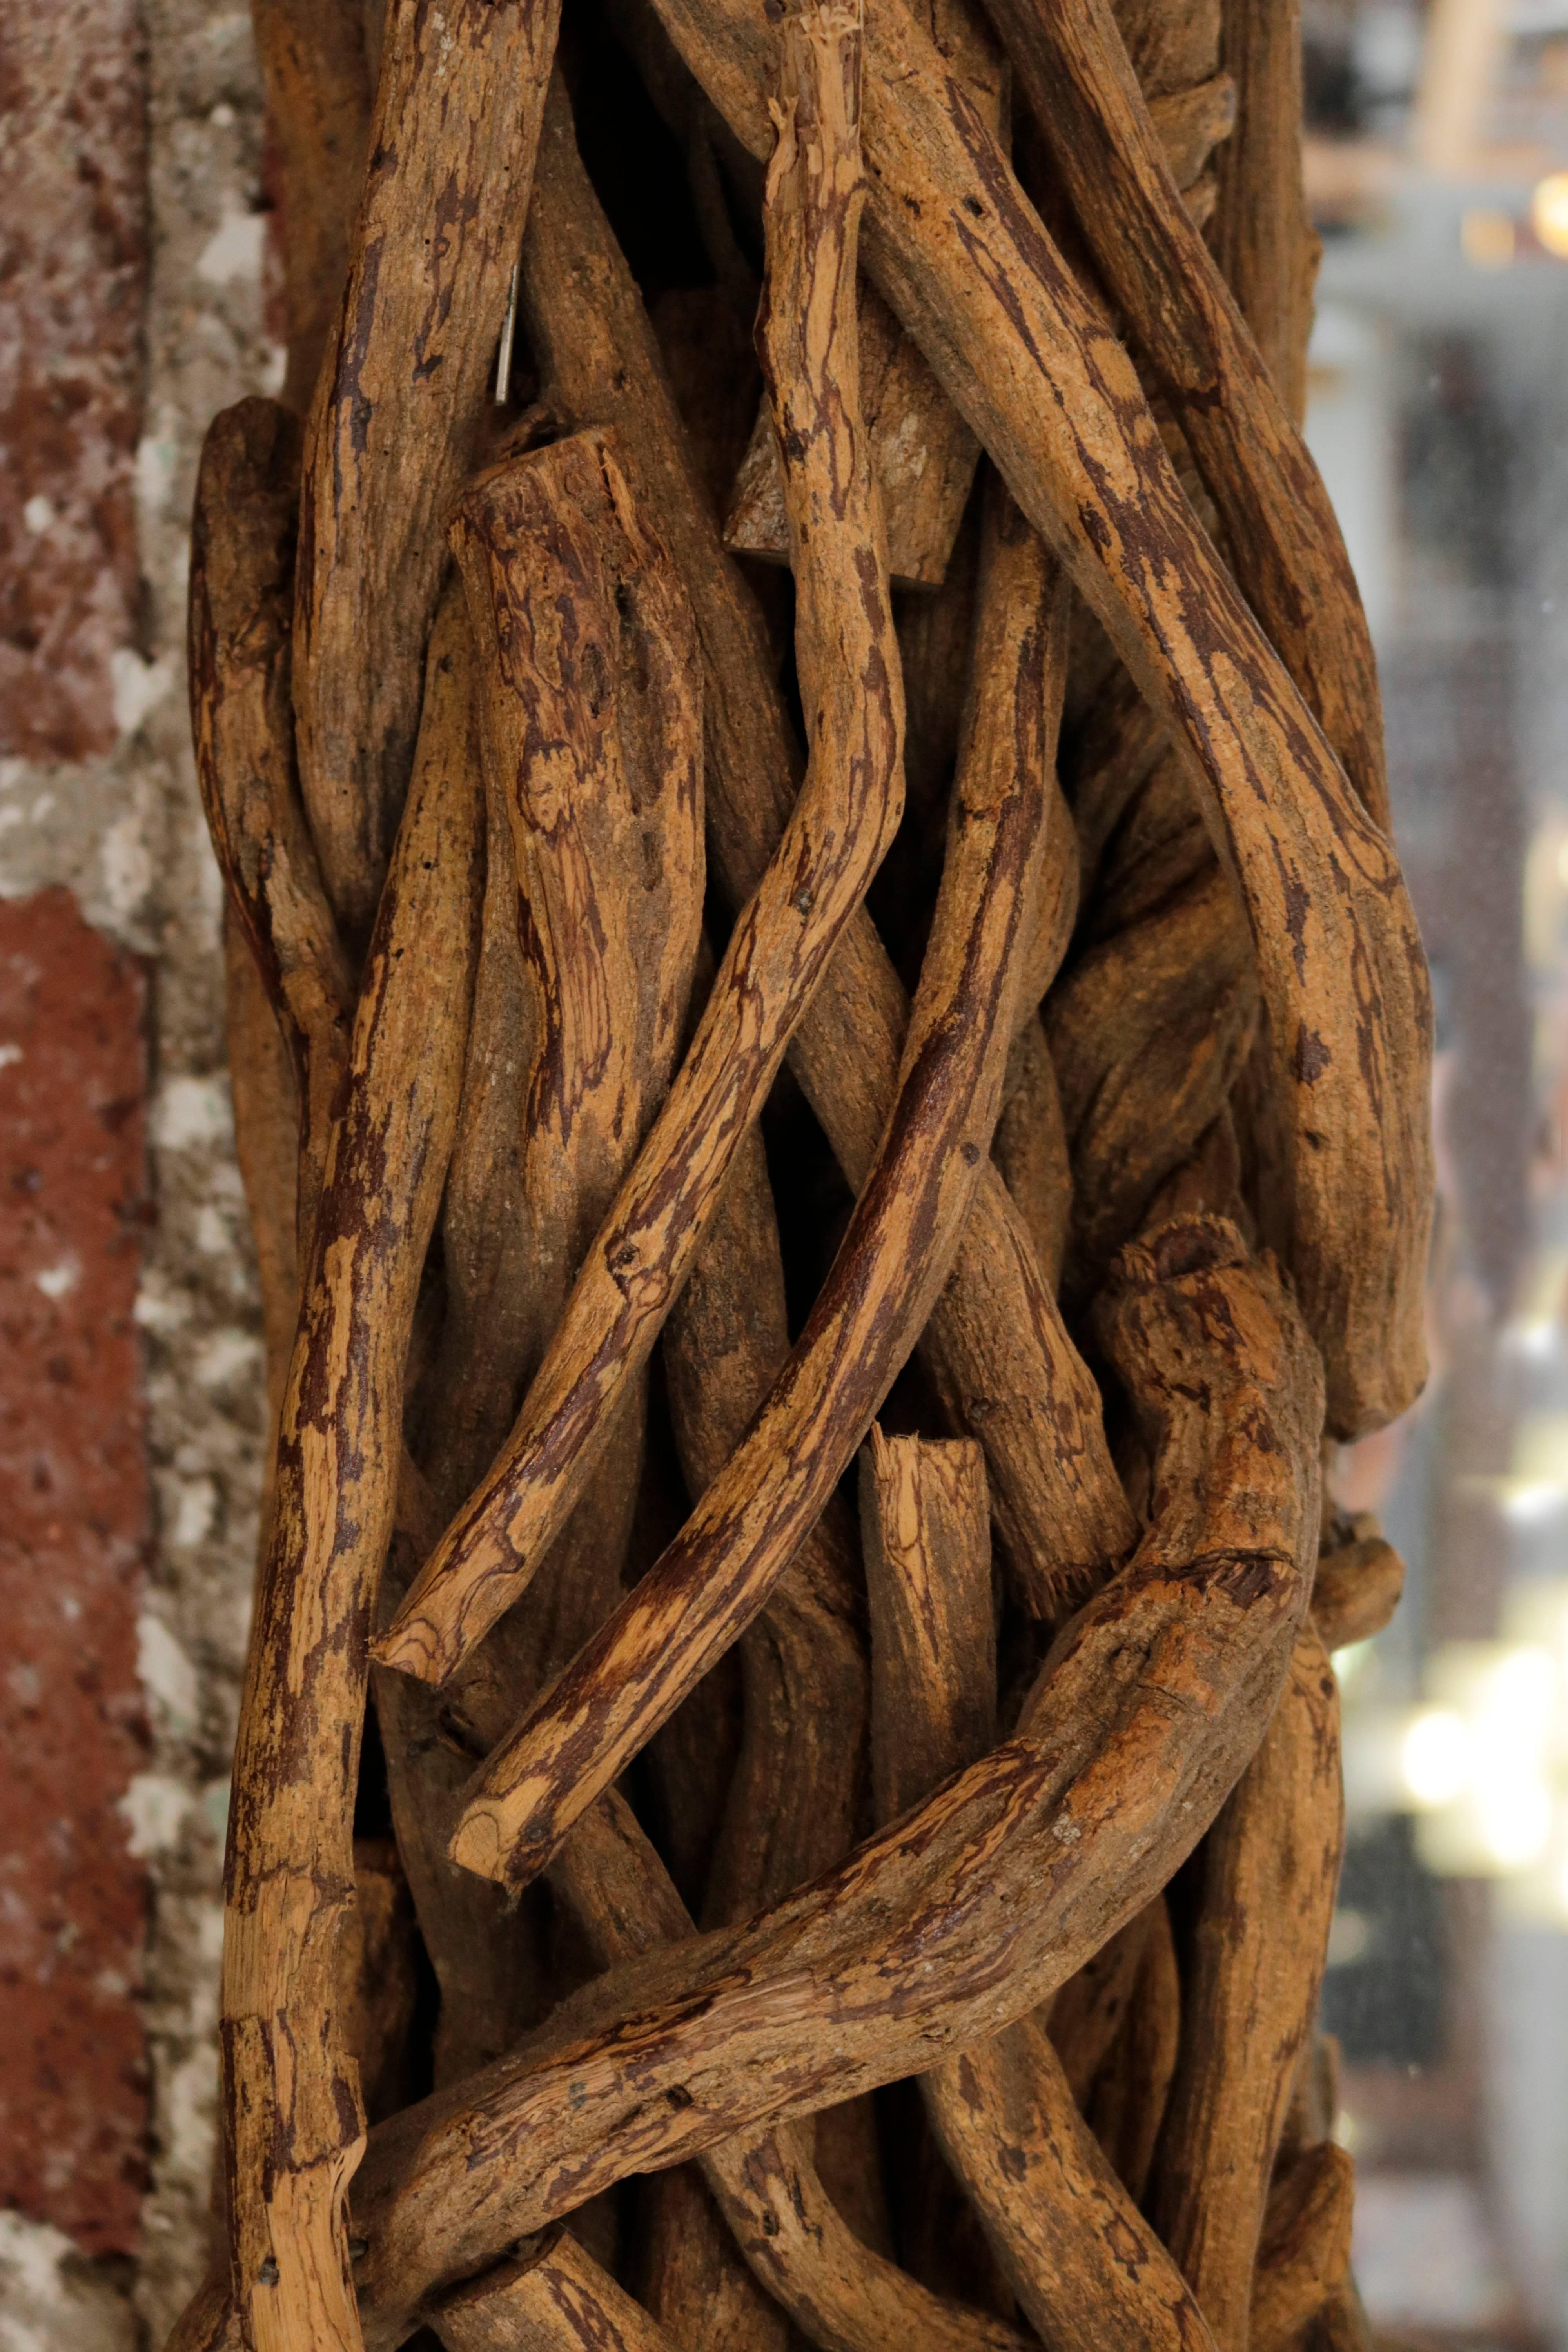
848	811
293	2118
899	1246
1085	2266
550	2296
1007	1370
1268	1878
968	268
1262	236
969	1912
1358	1584
319	85
405	374
241	596
1304	2257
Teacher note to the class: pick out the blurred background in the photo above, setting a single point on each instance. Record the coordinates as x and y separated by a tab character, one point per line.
1437	173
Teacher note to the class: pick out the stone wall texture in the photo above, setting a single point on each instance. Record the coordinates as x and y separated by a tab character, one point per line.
134	260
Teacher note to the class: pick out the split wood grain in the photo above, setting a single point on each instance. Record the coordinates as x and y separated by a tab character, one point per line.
403	383
319	84
550	2296
1283	537
847	813
969	270
1091	2007
969	1913
1083	2264
1268	1878
293	2124
895	1255
1007	1370
240	633
267	1146
1262	236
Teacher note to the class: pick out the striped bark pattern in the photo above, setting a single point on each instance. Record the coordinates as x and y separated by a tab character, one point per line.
837	912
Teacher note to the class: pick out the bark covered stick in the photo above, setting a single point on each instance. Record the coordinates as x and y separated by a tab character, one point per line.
1262	234
965	262
995	1341
241	597
1304	2256
893	1260
841	2294
1284	540
847	813
1083	2264
1126	2101
588	698
1357	1587
292	2119
1268	1880
317	79
973	1909
550	2296
390	433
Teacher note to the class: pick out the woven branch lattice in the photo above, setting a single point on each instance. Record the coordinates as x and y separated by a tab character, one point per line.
1096	1165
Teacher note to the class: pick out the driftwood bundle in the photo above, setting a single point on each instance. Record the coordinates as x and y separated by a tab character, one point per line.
785	909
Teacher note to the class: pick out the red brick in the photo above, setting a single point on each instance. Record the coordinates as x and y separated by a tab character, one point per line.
72	281
74	1527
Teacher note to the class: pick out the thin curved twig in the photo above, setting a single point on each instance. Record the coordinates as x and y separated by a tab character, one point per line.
894	1257
847	813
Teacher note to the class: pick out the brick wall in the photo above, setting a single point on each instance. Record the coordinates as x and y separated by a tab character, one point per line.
131	308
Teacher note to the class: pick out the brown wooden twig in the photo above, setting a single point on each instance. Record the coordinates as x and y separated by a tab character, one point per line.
1262	238
1270	1872
291	2103
1304	2255
1030	1149
972	273
241	598
1284	538
846	814
969	1912
1125	2103
389	441
550	2296
1356	1589
1085	2266
1002	1358
319	84
712	1580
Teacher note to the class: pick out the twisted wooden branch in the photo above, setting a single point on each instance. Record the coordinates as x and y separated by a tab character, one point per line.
713	1580
293	2120
967	264
389	435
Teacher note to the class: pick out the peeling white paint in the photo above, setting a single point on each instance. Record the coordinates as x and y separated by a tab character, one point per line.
228	1355
195	1513
126	863
49	2297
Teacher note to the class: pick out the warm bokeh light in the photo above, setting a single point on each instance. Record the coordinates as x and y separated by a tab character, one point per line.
1435	1755
1485	237
1549	213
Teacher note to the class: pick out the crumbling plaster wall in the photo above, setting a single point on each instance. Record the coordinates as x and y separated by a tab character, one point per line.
122	830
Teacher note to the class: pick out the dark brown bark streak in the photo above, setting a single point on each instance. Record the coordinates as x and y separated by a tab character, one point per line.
895	1255
969	268
390	435
293	2122
970	1911
995	1342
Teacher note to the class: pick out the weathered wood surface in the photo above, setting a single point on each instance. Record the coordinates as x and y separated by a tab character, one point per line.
1003	1360
1268	1878
293	2120
969	270
550	2296
318	83
389	435
895	1255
